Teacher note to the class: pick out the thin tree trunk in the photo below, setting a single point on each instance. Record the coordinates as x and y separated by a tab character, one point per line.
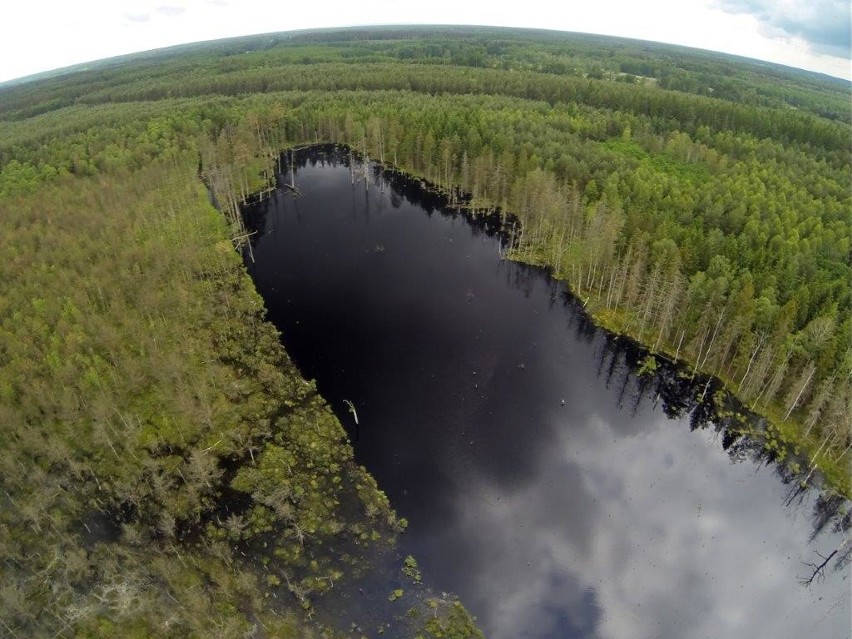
801	390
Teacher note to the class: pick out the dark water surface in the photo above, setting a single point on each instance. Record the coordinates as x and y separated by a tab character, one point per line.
555	491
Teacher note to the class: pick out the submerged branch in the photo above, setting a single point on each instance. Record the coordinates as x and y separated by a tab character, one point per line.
352	409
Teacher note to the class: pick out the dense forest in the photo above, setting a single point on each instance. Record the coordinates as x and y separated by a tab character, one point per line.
166	471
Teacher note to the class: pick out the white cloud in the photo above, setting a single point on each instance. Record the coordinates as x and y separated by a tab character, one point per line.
824	25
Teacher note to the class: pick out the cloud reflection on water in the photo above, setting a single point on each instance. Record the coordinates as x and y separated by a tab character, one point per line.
656	533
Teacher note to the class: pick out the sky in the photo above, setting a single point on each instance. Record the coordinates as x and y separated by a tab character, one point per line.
41	35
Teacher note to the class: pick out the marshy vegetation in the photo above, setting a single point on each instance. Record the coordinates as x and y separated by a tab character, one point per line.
166	471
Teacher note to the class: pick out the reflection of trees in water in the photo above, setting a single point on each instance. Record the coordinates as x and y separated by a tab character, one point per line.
402	187
816	569
706	405
254	219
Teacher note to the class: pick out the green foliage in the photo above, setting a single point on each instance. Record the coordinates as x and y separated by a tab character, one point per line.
648	367
156	436
411	570
137	373
445	618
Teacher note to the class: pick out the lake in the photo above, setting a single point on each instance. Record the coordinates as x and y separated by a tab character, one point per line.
555	490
